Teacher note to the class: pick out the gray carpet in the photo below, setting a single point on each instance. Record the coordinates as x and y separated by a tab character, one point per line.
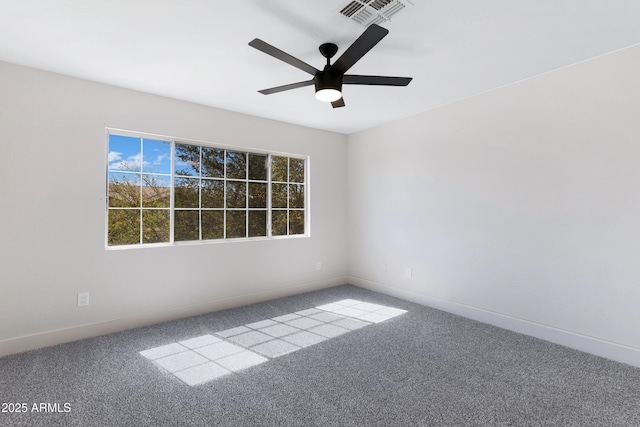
421	368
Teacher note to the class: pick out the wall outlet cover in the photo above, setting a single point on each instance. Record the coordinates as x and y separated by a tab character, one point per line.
83	299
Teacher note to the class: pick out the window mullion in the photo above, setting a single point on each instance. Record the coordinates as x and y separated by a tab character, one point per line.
172	187
200	195
288	195
268	166
224	194
306	197
246	194
141	194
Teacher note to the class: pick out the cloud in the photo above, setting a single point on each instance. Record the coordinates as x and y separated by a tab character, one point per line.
161	158
114	156
132	163
182	164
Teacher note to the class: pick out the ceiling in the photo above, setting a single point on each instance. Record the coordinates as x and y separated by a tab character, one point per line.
196	50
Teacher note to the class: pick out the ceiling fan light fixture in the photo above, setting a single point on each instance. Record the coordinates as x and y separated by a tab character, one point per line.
328	94
328	86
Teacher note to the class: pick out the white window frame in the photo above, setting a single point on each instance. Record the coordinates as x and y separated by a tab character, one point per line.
247	150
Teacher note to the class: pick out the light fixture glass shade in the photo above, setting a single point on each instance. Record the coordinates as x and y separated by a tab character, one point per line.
328	95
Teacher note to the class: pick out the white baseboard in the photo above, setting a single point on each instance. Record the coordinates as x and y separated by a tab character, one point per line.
596	346
49	338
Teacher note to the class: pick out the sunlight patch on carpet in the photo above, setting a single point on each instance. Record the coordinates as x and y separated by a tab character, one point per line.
207	357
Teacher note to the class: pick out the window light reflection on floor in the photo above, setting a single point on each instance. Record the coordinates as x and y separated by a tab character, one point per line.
202	359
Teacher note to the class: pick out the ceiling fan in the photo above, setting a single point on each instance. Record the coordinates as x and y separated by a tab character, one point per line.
329	81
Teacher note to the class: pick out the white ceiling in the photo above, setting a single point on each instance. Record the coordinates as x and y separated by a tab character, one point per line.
196	50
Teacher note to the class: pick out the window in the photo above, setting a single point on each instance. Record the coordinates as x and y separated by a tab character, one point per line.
166	191
287	195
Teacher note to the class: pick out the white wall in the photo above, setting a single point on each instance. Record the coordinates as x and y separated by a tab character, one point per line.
52	216
519	207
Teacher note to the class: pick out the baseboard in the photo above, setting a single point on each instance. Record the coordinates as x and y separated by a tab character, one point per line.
596	346
60	336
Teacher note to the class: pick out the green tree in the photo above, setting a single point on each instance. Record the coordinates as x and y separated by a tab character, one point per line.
128	192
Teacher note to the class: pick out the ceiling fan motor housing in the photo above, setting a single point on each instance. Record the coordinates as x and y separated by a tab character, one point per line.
328	80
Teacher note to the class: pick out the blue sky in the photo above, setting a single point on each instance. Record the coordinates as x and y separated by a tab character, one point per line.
126	154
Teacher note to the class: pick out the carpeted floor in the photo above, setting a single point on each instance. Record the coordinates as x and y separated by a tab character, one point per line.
422	367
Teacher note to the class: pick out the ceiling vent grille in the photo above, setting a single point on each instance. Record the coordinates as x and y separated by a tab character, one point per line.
367	12
350	9
379	4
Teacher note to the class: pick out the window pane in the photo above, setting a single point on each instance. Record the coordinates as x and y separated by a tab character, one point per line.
155	225
186	192
236	224
236	194
296	195
279	195
257	223
279	168
236	165
156	191
296	170
212	193
124	227
296	222
257	195
125	153
257	167
186	226
124	190
187	160
278	223
212	225
157	156
213	162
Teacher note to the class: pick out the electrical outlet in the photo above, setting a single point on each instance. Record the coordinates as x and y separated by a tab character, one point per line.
407	273
83	299
318	265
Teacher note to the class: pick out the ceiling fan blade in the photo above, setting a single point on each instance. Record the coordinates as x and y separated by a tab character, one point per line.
285	87
371	36
283	56
338	103
353	79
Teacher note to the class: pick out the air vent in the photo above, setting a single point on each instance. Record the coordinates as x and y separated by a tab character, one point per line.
367	12
379	4
363	17
351	8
